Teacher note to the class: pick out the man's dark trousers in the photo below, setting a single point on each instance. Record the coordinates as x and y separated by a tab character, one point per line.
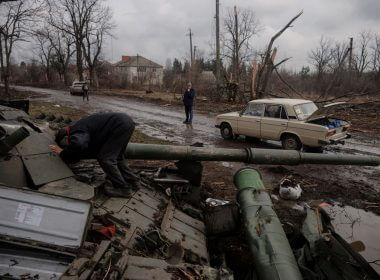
85	94
189	113
112	159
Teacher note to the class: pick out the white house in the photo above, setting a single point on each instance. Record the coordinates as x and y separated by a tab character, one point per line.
140	70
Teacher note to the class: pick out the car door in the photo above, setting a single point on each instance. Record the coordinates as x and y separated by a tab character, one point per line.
249	120
274	121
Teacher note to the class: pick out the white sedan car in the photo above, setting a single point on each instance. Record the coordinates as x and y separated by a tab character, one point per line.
77	87
294	122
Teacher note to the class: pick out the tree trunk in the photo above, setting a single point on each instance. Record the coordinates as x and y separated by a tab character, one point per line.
4	69
269	70
93	77
65	77
79	60
7	70
48	72
1	59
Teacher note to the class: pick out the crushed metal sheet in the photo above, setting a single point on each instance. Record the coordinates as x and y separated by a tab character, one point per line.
48	220
12	126
141	208
189	232
69	187
13	115
36	166
12	173
147	268
134	215
19	263
35	143
148	197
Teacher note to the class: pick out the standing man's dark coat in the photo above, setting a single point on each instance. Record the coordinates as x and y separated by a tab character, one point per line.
188	100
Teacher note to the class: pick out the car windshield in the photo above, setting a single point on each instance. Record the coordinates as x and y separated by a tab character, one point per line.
304	111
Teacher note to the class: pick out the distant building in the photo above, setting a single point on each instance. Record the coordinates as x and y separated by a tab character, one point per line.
139	70
208	77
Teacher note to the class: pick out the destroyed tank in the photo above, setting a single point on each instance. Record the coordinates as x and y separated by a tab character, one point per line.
56	223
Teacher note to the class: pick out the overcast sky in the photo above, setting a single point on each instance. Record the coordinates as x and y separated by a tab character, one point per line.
157	29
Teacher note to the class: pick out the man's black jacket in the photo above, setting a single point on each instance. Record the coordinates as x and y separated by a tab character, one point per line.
88	135
188	97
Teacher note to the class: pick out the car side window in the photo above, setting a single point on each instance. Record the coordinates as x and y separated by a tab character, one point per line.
273	111
255	110
284	115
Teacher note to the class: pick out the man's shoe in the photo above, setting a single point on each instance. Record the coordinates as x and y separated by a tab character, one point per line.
118	192
135	185
185	122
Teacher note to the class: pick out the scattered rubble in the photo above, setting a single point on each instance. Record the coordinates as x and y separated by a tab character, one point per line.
289	189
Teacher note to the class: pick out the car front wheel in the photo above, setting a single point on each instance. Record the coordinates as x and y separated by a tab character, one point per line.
291	142
226	131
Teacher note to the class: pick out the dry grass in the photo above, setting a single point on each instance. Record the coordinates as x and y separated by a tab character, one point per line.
38	107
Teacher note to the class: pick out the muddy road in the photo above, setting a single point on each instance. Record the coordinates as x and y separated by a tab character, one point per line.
165	122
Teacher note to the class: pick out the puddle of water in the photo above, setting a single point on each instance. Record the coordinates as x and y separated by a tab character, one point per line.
358	225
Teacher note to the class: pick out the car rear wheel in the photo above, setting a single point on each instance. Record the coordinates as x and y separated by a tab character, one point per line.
291	142
226	131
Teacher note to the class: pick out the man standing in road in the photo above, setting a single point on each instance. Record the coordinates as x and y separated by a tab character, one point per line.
85	90
188	98
102	136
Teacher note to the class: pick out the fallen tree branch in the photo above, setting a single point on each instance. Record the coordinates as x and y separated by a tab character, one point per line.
273	95
349	94
284	92
287	84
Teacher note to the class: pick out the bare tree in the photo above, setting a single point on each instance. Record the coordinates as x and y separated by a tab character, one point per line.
376	54
337	55
321	56
240	26
44	51
72	17
63	45
16	19
98	25
55	50
361	59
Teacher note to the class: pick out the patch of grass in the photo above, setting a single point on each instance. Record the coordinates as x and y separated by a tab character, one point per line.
140	137
38	107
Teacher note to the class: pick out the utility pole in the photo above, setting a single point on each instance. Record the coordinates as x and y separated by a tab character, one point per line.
350	57
217	47
138	74
191	46
195	50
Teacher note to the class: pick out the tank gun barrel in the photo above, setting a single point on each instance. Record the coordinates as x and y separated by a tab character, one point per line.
247	155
